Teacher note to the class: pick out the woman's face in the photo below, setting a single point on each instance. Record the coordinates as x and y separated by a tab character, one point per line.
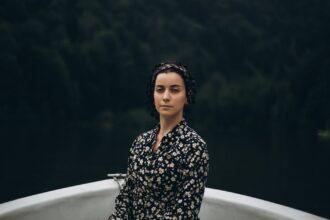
169	94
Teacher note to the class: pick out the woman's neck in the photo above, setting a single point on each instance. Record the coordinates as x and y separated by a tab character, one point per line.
167	124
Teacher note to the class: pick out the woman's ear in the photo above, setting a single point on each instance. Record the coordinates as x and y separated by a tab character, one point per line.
186	102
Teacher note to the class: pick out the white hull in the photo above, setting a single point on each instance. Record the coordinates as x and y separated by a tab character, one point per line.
95	201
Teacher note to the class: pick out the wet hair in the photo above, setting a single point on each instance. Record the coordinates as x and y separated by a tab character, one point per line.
182	70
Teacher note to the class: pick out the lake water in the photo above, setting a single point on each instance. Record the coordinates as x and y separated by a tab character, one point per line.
289	169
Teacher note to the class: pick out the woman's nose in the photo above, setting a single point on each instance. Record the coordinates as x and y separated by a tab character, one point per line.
166	95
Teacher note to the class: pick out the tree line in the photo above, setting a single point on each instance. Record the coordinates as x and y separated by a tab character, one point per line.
258	64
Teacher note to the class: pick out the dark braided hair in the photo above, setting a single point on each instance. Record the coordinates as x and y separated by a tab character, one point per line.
172	66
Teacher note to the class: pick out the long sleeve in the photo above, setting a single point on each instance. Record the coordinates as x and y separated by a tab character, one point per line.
123	202
187	201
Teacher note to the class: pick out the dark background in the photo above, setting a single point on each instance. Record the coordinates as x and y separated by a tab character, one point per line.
72	91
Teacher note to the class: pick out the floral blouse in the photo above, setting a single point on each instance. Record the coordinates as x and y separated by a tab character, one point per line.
168	183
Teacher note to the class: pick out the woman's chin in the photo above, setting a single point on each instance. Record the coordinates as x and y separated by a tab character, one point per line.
167	114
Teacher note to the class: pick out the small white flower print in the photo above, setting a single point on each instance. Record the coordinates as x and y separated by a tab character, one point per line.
153	177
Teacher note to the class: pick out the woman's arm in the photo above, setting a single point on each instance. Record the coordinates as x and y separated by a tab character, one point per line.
187	202
123	200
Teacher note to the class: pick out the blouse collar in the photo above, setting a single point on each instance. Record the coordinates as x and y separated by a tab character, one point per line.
177	129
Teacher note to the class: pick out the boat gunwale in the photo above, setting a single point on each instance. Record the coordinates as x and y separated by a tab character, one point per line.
250	204
57	196
214	197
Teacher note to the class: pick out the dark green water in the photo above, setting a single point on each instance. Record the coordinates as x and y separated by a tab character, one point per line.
289	169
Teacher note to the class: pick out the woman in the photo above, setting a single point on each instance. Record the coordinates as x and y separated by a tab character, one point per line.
167	165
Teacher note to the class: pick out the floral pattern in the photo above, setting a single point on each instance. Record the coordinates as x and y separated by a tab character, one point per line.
168	183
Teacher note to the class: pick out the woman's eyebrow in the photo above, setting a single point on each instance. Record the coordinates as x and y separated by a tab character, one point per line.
170	85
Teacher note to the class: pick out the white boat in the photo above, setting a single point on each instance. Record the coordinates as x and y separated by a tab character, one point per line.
95	201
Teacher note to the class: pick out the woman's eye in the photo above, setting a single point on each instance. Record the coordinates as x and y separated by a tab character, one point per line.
172	90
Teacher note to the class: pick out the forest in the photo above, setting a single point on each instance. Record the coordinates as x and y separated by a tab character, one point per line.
257	63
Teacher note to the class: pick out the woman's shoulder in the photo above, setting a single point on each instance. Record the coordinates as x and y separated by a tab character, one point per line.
193	137
192	143
195	148
144	137
141	140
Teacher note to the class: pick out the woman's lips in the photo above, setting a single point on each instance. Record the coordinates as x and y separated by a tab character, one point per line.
166	106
